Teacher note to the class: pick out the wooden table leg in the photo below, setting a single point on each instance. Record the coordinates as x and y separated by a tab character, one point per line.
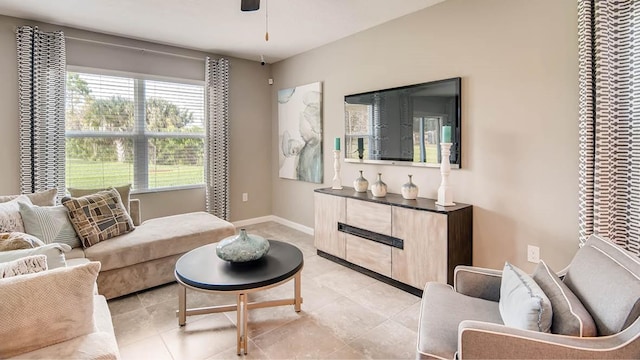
245	316
182	305
239	323
296	286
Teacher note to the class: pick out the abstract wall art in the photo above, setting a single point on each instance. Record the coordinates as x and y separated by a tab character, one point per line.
300	133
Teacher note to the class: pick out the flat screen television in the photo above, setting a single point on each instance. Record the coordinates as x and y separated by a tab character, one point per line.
403	125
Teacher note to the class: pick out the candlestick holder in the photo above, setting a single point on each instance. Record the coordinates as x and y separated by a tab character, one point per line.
337	181
445	194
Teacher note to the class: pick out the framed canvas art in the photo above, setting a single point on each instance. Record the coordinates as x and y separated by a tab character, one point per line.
300	133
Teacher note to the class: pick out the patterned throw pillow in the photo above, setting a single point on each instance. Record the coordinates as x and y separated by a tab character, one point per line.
23	266
124	192
98	217
10	219
17	240
49	223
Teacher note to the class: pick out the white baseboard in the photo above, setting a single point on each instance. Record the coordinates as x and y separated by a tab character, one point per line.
279	220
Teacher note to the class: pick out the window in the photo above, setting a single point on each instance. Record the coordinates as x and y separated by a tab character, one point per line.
133	130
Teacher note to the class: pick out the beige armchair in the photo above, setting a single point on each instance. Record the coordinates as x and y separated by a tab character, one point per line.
464	321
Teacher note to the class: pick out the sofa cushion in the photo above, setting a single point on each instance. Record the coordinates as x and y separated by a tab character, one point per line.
569	315
18	240
10	219
523	304
26	265
53	252
160	237
124	192
604	277
442	311
98	217
59	308
40	198
49	223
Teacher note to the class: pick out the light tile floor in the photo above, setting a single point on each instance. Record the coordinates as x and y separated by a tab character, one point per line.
345	315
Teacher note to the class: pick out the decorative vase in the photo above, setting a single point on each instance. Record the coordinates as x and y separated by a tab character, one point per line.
379	188
242	247
409	190
361	184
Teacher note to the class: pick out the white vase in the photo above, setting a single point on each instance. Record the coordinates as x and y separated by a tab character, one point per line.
361	184
409	190
379	188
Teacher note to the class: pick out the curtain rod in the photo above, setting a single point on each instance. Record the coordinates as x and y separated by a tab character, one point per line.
134	48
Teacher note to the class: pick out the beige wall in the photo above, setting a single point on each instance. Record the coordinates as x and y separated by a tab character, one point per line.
518	63
249	114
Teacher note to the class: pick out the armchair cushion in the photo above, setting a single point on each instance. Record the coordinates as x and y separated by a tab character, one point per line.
569	315
523	304
442	311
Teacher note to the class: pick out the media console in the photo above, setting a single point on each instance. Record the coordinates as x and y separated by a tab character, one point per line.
405	243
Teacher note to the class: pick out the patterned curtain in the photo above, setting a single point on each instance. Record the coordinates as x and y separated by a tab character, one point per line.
217	138
609	121
41	86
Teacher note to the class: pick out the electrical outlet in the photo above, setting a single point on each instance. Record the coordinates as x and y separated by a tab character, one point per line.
533	254
245	197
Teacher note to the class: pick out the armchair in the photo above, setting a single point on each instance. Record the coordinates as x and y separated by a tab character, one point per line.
464	321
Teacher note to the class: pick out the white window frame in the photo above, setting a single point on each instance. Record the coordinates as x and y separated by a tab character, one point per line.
139	135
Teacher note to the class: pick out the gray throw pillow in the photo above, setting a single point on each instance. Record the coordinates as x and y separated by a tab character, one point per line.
522	303
569	315
49	223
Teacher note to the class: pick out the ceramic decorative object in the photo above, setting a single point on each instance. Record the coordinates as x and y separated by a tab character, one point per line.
379	188
409	190
361	184
242	247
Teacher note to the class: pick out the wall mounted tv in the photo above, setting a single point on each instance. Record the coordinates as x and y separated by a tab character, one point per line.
403	125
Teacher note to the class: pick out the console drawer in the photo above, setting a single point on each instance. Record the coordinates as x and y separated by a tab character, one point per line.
369	216
369	254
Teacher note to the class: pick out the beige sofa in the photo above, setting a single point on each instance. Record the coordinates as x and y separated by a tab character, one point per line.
146	257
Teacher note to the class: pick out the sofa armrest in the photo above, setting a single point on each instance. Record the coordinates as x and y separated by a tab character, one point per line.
135	211
477	282
481	340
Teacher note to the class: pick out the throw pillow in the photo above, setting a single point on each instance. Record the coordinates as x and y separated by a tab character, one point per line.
10	219
17	241
569	315
46	308
98	217
40	198
522	303
54	253
49	223
123	191
23	266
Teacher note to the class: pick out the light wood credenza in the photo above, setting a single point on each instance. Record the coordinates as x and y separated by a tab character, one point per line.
405	243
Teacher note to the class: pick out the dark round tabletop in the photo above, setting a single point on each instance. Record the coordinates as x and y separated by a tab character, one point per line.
203	269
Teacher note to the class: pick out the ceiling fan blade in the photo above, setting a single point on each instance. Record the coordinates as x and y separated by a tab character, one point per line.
249	5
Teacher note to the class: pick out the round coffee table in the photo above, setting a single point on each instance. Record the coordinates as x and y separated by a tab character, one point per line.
201	269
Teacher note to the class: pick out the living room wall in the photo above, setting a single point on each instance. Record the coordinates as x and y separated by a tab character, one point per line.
518	63
248	84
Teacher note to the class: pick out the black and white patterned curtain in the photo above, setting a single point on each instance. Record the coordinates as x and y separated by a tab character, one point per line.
609	121
41	86
217	137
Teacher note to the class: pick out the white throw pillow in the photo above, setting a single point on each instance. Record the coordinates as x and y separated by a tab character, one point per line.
49	223
54	253
46	308
10	219
523	304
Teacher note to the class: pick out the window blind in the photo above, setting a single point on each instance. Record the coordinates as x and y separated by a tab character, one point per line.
122	130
